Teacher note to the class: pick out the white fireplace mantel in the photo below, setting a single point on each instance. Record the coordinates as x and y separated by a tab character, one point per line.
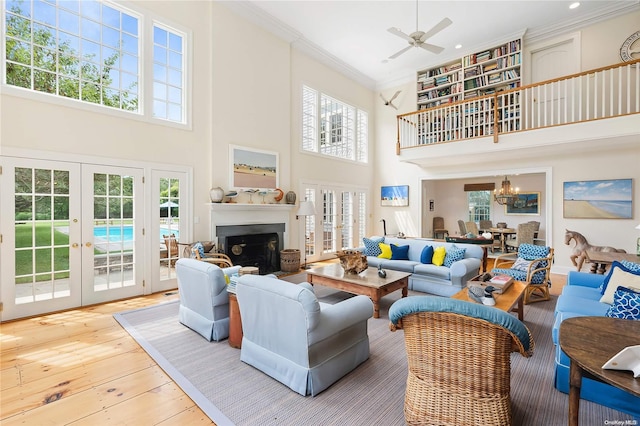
225	214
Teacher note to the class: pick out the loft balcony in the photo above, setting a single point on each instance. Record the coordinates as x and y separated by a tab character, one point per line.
591	110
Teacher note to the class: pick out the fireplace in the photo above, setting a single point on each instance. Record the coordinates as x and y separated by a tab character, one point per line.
253	245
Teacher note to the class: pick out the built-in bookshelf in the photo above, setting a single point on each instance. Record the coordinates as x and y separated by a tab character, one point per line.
476	75
481	73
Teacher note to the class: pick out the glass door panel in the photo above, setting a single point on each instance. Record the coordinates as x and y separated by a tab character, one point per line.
113	234
169	232
41	231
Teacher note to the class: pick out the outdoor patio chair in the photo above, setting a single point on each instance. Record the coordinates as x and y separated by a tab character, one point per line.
459	360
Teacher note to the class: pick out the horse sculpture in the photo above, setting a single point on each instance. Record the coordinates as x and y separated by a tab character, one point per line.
578	256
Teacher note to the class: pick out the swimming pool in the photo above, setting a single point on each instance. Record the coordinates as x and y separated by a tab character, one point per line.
125	233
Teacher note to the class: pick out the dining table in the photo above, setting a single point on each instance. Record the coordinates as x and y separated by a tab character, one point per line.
504	232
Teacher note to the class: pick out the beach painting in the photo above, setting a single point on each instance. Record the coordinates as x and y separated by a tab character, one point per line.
253	168
598	199
394	195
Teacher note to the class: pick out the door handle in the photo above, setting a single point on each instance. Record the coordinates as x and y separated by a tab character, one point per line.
88	244
74	245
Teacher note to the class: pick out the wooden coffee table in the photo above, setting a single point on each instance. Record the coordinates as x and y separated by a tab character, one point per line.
510	301
590	342
367	282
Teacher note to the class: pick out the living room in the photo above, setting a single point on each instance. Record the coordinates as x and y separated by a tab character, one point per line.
248	93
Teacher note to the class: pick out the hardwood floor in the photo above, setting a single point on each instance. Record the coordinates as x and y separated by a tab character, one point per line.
80	367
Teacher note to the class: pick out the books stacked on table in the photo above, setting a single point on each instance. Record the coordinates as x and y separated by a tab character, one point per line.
501	282
233	281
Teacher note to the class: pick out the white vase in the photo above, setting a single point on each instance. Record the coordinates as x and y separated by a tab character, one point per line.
487	235
216	194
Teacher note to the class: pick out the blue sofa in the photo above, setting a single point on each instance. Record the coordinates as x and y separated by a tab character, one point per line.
427	277
581	297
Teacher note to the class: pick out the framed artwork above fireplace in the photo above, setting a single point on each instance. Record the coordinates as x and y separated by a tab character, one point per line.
253	168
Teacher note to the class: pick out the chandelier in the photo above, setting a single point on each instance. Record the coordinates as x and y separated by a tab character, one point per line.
507	195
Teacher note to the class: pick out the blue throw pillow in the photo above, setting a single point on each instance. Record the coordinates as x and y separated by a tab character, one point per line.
626	304
614	265
453	255
427	255
633	267
399	252
372	246
200	248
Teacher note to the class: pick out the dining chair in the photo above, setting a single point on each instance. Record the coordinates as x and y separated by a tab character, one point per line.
485	225
524	235
472	228
463	228
438	227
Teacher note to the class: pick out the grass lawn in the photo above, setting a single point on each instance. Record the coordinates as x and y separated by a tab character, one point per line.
34	251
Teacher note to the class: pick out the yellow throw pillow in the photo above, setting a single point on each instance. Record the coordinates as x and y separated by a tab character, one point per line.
438	256
386	251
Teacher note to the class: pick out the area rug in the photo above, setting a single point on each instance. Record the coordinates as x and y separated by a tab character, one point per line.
231	392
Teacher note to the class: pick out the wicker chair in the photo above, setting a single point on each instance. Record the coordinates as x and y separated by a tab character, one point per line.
171	243
524	235
535	270
459	358
219	259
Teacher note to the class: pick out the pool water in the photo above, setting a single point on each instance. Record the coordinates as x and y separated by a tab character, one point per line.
124	233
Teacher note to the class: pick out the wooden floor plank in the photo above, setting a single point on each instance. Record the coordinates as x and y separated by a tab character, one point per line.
84	404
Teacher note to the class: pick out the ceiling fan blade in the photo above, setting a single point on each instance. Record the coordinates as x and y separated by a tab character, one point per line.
400	52
436	29
397	32
395	96
431	47
383	99
392	105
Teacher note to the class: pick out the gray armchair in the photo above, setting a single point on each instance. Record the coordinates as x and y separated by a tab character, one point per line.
290	336
204	301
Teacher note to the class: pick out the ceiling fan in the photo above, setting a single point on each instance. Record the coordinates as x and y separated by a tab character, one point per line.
390	101
419	38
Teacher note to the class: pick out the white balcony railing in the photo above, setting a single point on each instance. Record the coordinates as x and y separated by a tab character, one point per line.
591	95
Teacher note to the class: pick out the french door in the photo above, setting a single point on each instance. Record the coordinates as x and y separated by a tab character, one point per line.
169	231
340	221
112	233
71	235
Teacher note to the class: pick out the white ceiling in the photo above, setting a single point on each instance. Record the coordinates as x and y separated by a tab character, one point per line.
352	35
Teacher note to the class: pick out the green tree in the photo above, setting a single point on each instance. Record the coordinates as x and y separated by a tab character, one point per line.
32	55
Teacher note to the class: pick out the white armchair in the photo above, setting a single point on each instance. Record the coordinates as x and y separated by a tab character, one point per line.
290	336
204	301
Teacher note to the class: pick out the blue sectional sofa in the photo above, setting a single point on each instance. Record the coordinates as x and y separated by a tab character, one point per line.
427	277
581	297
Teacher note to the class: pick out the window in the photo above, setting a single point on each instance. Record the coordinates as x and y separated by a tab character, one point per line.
479	203
167	74
331	127
90	51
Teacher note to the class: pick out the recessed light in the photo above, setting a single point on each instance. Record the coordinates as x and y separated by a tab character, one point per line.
458	46
574	5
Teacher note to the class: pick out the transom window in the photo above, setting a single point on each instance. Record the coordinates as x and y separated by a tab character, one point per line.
91	51
333	128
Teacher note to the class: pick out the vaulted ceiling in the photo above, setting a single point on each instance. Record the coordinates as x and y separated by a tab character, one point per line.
353	36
